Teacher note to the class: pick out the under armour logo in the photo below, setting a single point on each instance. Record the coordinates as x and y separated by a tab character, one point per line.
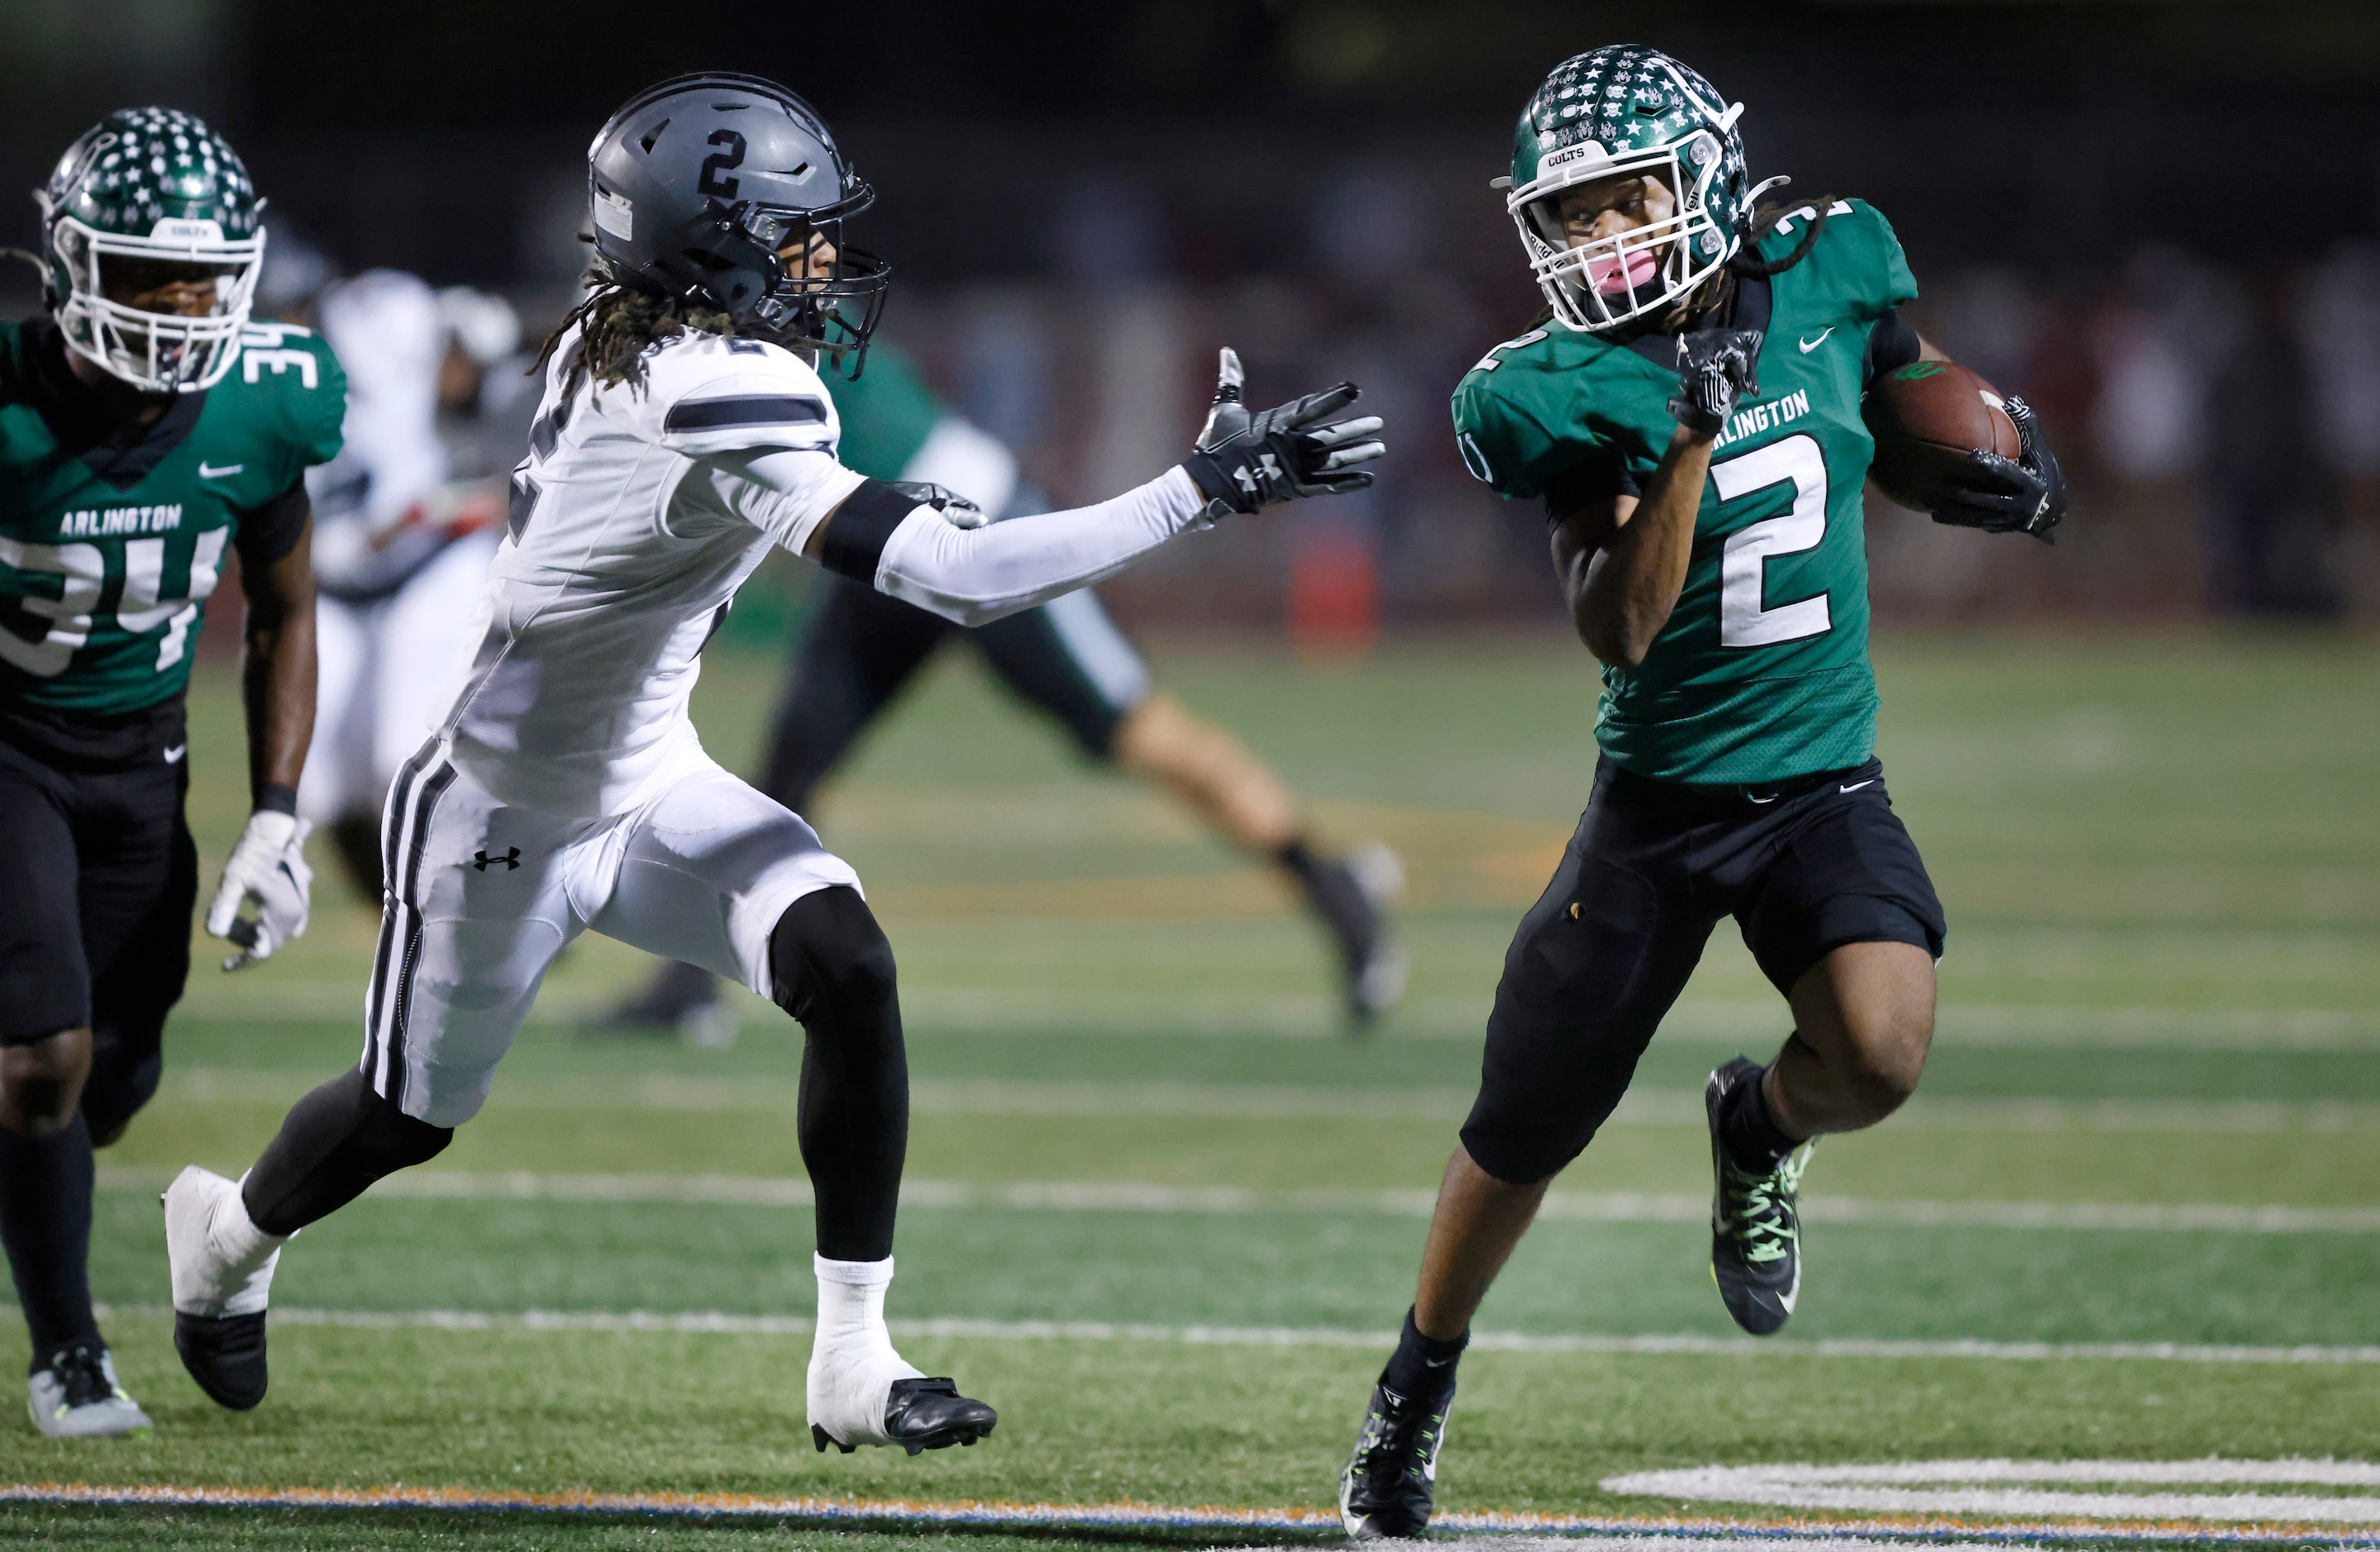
481	861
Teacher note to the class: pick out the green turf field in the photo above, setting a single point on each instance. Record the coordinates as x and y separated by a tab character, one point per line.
1162	1213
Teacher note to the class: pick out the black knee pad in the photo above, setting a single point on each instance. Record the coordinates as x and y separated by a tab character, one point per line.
827	953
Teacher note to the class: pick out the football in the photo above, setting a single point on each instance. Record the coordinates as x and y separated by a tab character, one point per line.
1927	417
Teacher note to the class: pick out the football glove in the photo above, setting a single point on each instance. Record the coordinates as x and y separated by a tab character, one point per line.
948	504
1716	369
2024	494
1244	463
267	868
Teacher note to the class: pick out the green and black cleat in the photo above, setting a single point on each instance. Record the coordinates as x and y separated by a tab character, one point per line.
1387	1490
1756	1219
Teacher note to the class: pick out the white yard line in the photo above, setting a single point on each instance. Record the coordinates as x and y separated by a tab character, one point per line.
1303	1015
1132	1197
1101	1097
720	1322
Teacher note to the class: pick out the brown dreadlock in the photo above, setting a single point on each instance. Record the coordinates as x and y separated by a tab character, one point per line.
619	328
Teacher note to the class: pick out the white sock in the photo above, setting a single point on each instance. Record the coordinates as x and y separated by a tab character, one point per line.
233	1274
853	1363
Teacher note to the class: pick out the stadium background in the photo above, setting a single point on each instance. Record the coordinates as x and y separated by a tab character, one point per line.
2141	765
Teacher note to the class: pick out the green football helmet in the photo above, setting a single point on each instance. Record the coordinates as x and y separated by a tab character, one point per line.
147	197
1606	112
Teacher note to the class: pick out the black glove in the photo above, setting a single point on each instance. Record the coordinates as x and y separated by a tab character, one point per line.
1244	462
2026	495
1715	367
948	504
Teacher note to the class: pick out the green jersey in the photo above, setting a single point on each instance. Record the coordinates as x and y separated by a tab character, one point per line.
887	415
111	541
1762	671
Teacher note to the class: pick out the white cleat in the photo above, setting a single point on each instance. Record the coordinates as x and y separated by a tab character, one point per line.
223	1278
1378	983
76	1396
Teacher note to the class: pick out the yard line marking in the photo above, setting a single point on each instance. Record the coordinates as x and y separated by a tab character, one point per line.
1652	1535
1459	1016
1292	1102
725	1323
1951	1487
1617	1207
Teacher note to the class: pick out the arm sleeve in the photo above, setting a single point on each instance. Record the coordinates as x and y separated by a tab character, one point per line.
977	575
272	530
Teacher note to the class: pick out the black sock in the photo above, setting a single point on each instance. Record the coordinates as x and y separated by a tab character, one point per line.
334	1144
1750	1132
45	1222
1423	1366
834	971
1335	895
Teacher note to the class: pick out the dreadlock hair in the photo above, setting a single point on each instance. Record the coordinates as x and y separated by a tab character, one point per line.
1767	213
618	327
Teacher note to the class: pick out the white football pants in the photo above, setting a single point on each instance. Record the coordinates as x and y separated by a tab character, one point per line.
482	896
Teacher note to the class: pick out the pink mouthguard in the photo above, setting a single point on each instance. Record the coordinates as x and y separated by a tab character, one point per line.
1613	274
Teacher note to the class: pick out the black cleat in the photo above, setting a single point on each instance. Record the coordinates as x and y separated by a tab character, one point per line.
1755	1219
224	1355
1386	1492
923	1414
681	1000
930	1414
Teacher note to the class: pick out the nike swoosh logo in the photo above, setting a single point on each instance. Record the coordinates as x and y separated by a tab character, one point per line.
1436	1362
1808	345
1771	798
174	756
1854	786
208	470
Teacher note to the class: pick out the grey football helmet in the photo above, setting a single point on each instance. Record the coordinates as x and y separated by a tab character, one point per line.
697	185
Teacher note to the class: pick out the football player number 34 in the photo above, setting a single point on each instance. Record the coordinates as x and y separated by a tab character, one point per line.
1743	620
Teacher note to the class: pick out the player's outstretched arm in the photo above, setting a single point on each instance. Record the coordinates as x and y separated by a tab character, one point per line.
1241	463
267	868
1622	593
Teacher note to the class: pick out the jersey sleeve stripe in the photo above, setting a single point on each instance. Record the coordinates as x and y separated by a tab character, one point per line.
761	409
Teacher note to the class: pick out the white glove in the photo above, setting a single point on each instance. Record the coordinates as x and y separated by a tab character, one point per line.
269	867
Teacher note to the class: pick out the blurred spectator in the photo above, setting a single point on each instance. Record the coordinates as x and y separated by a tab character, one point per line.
2272	497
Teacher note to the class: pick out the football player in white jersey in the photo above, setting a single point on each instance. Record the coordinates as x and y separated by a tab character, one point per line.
683	431
402	546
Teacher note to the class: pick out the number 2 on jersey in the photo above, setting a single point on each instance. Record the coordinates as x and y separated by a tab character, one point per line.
1744	563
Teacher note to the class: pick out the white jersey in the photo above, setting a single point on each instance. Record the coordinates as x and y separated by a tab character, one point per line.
384	326
633	521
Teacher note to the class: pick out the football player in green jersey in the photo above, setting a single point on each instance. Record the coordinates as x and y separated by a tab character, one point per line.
1689	411
145	428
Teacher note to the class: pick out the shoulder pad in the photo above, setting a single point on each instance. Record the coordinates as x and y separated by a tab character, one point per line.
1509	412
1857	257
710	394
296	373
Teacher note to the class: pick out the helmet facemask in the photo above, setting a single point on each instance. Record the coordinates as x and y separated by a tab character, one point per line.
830	314
156	352
1605	282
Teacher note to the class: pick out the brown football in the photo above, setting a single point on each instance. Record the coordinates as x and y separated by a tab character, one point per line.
1926	417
